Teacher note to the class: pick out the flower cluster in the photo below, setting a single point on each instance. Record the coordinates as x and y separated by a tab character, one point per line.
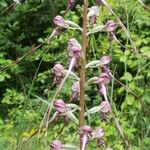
103	80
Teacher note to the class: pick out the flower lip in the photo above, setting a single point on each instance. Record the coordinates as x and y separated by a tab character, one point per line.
59	21
56	145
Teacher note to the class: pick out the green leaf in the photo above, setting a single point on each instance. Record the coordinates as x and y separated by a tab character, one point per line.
130	99
40	99
93	110
127	76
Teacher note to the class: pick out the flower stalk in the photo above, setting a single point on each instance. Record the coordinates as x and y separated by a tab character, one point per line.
83	69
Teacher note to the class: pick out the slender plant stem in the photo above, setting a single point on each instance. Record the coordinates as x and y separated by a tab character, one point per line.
83	68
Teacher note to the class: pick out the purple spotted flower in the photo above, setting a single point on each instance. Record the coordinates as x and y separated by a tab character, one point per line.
59	21
99	135
98	2
86	132
60	106
70	4
93	14
105	109
110	26
74	48
56	145
103	80
58	70
75	90
105	60
74	52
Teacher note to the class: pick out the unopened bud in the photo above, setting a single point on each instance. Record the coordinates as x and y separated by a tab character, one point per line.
56	145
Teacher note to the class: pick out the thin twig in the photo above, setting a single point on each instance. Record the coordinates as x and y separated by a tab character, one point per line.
19	59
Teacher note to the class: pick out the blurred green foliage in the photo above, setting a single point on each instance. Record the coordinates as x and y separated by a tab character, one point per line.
29	23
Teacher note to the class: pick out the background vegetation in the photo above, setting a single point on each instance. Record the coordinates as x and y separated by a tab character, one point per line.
25	25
